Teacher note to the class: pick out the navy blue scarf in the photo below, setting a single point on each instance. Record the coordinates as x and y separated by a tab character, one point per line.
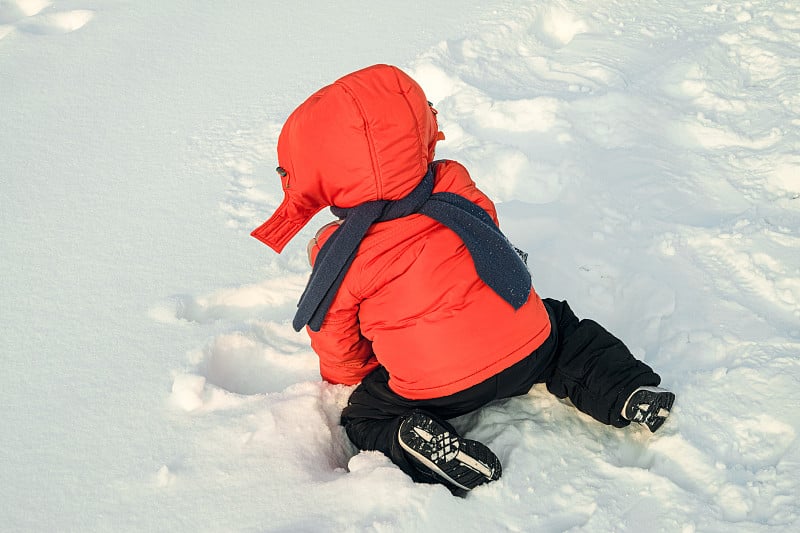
496	261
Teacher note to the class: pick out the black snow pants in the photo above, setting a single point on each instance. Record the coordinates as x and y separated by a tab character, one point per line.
580	360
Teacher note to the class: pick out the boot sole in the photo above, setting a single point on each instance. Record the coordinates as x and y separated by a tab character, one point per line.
650	406
460	462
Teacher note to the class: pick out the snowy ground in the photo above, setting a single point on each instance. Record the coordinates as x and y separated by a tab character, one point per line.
646	154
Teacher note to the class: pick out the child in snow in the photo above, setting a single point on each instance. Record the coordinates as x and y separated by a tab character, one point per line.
417	295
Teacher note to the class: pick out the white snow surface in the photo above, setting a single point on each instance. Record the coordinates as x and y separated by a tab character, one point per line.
645	154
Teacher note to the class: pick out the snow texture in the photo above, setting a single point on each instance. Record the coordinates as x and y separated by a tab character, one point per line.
645	154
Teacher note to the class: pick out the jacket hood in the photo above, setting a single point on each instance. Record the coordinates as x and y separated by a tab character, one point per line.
368	136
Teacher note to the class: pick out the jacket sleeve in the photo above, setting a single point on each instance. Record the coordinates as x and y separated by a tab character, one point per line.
345	356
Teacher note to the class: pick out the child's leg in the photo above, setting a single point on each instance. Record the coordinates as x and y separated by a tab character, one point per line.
593	368
415	435
372	419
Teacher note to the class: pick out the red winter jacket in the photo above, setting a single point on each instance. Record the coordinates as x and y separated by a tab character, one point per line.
412	300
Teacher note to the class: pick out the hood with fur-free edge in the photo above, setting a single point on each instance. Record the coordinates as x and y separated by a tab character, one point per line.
368	136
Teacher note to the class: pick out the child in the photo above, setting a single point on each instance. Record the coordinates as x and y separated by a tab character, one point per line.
416	295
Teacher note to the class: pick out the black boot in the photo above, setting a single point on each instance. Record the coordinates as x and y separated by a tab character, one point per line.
434	447
649	406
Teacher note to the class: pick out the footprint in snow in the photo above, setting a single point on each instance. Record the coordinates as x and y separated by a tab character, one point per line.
557	27
259	352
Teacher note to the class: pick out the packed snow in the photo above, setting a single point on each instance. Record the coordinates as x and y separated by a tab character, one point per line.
645	154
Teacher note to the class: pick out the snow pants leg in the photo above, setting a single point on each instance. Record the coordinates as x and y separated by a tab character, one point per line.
592	367
580	361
